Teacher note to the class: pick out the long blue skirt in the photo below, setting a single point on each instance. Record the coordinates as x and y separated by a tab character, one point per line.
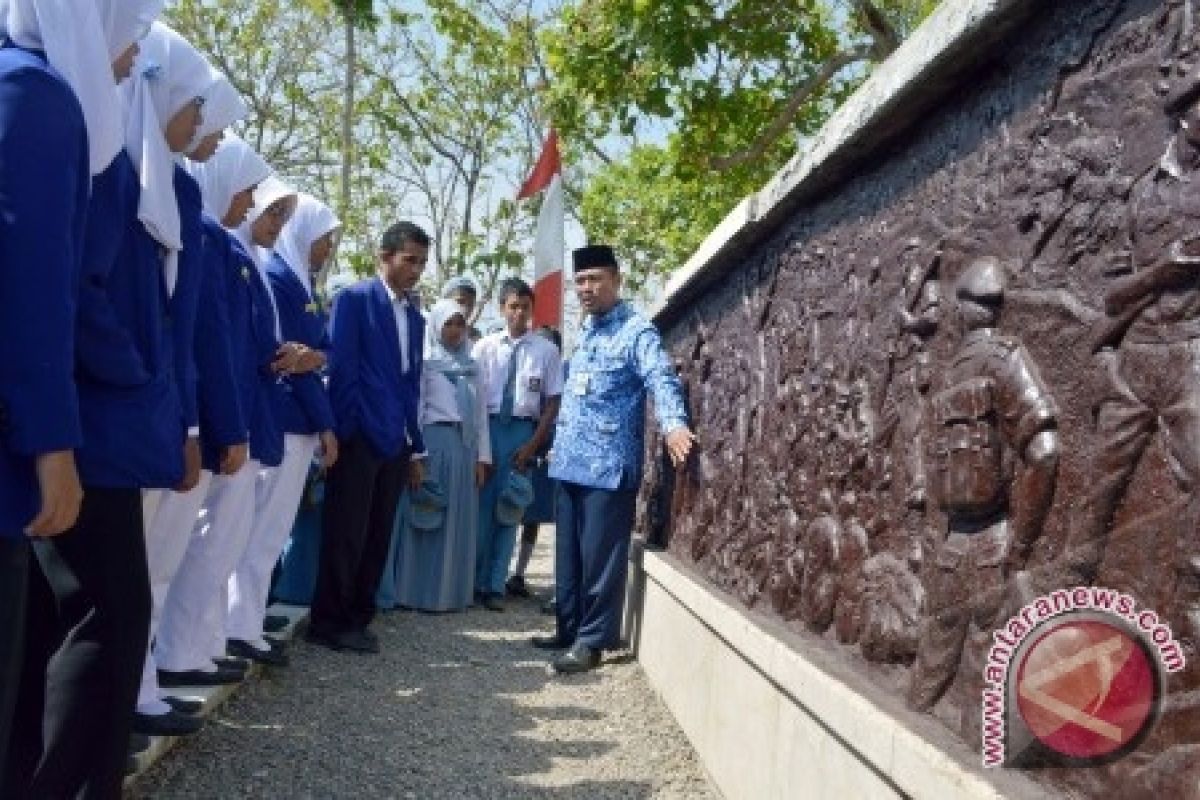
434	570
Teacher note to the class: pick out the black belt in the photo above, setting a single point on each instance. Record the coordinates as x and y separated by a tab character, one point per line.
447	424
523	419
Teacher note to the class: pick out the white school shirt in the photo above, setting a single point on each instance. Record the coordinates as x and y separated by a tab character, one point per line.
400	309
439	403
539	371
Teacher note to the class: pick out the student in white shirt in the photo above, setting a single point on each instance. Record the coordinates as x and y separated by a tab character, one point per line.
522	374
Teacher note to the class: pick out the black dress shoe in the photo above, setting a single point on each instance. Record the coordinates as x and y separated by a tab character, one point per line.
357	642
550	606
579	658
131	765
195	677
271	657
354	641
138	743
233	664
171	723
370	634
492	602
515	587
184	705
550	642
274	623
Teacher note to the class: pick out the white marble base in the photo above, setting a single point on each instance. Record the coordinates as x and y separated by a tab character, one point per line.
768	722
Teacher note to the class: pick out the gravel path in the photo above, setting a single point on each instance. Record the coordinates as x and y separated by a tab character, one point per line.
457	706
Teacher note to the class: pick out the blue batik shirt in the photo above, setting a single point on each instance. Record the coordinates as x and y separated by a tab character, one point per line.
600	437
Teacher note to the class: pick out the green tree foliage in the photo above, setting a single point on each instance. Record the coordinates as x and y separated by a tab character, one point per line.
726	89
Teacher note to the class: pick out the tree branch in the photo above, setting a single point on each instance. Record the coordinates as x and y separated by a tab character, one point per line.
792	107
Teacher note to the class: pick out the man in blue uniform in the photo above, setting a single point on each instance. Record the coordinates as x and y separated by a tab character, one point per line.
597	457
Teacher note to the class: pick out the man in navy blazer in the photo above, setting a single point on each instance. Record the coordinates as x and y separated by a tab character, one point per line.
374	386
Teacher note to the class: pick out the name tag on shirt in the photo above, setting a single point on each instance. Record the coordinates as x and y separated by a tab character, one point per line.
534	384
581	382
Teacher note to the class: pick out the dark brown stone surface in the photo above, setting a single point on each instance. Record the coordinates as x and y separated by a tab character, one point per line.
866	462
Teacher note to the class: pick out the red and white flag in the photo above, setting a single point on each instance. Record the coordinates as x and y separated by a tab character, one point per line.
548	243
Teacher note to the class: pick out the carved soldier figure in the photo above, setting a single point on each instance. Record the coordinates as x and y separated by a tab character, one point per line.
1154	326
995	467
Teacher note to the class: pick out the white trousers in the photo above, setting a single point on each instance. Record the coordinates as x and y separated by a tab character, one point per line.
277	499
192	628
170	518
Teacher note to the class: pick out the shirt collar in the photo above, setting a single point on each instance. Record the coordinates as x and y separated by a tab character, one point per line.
615	314
392	296
510	340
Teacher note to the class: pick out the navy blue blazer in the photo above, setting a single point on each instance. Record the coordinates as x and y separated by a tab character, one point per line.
222	415
253	345
43	205
370	393
133	421
185	301
303	404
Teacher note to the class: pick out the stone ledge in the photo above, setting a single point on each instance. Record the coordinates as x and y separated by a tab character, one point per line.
214	697
929	63
768	719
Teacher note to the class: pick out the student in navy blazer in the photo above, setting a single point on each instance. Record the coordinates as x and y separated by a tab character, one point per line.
227	177
44	169
192	629
302	408
204	369
374	384
89	607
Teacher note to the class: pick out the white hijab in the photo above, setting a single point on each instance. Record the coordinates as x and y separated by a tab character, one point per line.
312	220
235	167
269	191
81	39
223	106
169	73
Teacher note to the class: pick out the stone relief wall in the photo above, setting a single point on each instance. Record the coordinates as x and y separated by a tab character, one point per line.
971	374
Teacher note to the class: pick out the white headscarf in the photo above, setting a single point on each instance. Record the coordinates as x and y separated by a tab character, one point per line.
81	39
312	220
169	74
269	191
223	106
234	168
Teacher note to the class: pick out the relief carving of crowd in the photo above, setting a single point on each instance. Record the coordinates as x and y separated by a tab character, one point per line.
916	418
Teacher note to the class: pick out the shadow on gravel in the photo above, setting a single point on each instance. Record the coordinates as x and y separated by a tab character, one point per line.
456	706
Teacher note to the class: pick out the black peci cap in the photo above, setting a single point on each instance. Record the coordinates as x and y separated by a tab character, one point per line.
594	256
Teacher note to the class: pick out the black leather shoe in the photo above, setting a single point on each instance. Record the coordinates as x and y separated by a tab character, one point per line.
272	657
274	623
515	587
370	634
356	642
138	743
579	658
550	642
131	765
492	602
194	677
184	706
171	723
550	606
232	664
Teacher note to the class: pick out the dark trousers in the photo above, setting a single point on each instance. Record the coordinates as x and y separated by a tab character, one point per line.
591	562
361	495
14	574
87	622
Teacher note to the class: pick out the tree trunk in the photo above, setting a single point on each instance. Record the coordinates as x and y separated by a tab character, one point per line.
348	112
